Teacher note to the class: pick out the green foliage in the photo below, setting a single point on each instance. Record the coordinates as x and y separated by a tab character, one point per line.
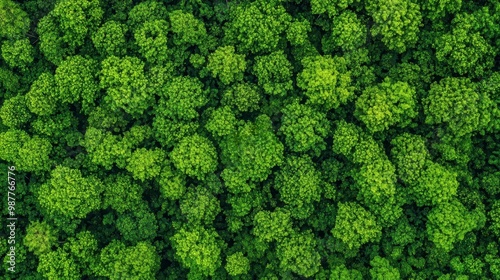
398	23
382	269
30	154
106	149
464	49
83	247
14	112
272	226
199	206
355	226
448	223
345	138
237	264
67	26
226	65
377	181
117	261
436	185
297	32
125	84
263	139
14	22
325	81
385	105
304	128
41	98
195	156
332	7
70	194
257	26
146	11
34	155
8	82
298	253
58	265
40	237
274	73
299	184
11	142
348	32
181	98
151	38
368	150
172	183
410	154
494	216
110	39
18	53
435	9
76	79
137	226
169	132
121	193
453	102
187	29
145	164
342	273
250	154
77	19
242	96
222	122
198	249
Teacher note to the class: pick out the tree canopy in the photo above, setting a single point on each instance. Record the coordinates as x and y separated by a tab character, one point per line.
250	139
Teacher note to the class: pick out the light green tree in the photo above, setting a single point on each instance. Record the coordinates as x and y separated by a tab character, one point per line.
398	22
298	253
226	65
299	185
198	249
453	102
14	111
249	154
304	127
252	35
382	269
125	83
199	206
58	264
145	164
448	222
181	98
348	31
325	81
151	38
70	194
274	73
186	28
195	156
110	39
272	225
14	21
355	226
18	53
387	104
117	261
41	98
40	237
237	264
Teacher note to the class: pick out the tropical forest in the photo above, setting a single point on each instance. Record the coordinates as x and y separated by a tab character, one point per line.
250	139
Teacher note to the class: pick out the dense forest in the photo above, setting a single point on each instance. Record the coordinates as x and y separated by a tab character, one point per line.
250	139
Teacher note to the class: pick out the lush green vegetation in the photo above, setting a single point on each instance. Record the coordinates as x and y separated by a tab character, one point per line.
251	139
